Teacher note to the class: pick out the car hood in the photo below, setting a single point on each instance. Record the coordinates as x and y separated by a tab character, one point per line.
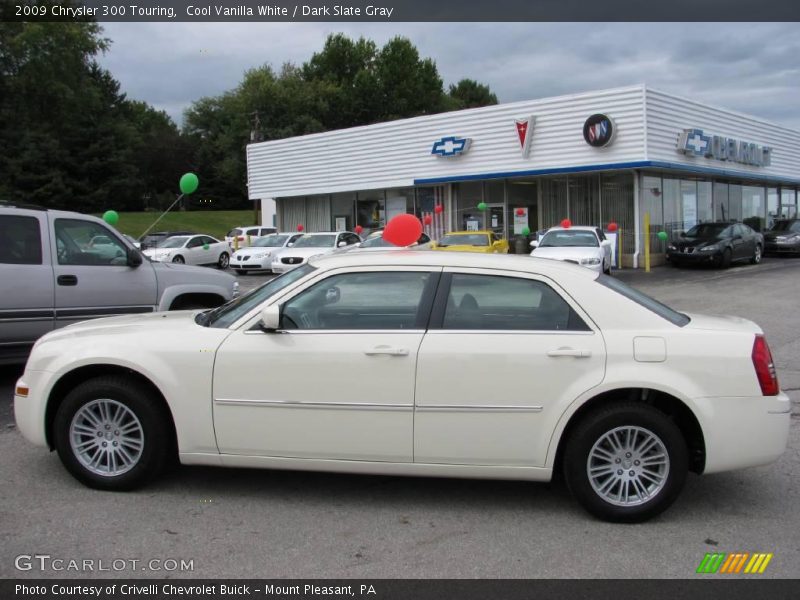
305	252
721	323
566	253
465	248
254	251
697	241
141	323
157	253
171	274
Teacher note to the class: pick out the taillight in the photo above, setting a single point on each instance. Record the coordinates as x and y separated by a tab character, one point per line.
765	369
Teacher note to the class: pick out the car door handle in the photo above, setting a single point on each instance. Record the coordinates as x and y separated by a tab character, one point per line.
67	280
570	352
386	350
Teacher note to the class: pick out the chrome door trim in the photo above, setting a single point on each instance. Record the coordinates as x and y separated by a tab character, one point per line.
477	408
305	404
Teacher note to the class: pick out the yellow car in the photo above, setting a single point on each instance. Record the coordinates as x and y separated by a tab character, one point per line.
487	242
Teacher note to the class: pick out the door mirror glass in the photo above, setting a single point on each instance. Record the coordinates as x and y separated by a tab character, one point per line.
605	243
534	244
134	258
271	318
342	244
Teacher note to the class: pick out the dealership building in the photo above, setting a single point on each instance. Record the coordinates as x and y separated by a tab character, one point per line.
625	156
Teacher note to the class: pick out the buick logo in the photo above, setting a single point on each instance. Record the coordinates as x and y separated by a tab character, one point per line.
599	130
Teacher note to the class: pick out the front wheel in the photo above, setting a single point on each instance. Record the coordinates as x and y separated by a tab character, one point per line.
223	261
626	462
112	434
725	259
179	260
756	255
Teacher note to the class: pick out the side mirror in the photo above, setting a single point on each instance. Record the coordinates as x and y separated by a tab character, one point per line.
271	318
134	258
534	244
342	244
290	244
683	234
605	243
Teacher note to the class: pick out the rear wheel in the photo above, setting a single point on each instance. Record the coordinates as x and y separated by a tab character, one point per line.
224	260
111	433
626	462
756	255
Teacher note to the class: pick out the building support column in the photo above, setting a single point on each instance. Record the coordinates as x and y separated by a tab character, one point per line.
637	199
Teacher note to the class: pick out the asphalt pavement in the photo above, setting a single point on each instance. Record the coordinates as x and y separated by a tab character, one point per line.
248	523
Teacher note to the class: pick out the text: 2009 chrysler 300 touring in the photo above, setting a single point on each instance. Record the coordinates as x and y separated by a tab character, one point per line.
476	366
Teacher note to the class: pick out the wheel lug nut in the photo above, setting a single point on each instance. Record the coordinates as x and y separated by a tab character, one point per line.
117	433
627	455
636	462
108	426
104	444
619	472
631	472
114	444
619	460
99	434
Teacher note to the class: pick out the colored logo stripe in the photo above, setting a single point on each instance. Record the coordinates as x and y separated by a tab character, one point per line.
722	562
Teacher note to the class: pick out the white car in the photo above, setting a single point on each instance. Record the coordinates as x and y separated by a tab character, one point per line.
585	246
258	257
311	244
191	250
241	237
477	365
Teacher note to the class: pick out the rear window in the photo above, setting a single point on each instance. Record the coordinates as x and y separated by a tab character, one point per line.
20	240
234	232
642	299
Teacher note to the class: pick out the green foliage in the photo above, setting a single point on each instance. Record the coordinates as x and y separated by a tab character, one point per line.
468	93
211	222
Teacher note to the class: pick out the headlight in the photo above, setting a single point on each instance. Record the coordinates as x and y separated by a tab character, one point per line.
671	247
590	261
711	248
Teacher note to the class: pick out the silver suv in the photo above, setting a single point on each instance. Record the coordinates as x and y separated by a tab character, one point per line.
58	268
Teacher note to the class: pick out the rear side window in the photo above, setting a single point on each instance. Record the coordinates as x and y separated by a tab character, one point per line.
20	240
662	310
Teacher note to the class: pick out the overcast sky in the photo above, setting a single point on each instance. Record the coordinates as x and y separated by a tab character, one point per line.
748	67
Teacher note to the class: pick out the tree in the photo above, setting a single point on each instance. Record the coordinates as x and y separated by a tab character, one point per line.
468	93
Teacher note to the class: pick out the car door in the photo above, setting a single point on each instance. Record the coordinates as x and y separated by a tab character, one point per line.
193	251
95	284
504	355
337	381
26	282
748	240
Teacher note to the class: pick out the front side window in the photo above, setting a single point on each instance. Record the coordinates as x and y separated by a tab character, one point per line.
87	243
493	302
21	240
174	242
359	301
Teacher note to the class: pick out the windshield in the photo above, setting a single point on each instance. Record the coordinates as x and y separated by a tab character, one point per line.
569	239
271	241
786	226
464	239
376	242
642	299
175	242
229	313
315	241
707	230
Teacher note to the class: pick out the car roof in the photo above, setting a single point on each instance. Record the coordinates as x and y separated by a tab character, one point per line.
483	231
575	227
432	258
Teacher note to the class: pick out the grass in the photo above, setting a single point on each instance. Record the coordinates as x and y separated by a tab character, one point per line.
215	223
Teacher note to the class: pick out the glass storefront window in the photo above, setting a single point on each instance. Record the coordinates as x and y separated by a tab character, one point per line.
788	203
584	199
371	210
721	210
689	204
705	212
753	207
399	201
672	201
555	207
427	198
616	197
342	211
522	195
735	202
652	203
468	195
495	197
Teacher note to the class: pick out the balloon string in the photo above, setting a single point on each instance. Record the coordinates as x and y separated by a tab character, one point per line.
146	231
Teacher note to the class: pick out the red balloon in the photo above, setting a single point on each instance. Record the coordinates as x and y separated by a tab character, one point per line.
359	229
438	209
566	223
612	227
520	212
300	227
402	230
428	219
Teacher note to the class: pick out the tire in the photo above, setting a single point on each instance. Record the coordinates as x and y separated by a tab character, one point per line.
725	259
224	261
607	270
757	255
126	405
179	260
589	445
241	272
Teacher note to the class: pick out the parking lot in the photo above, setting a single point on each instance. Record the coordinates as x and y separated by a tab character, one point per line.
242	523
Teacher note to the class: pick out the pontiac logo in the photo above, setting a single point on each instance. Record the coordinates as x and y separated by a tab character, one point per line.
525	134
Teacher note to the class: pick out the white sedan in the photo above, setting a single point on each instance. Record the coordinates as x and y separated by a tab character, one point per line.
585	246
258	256
480	366
192	250
312	244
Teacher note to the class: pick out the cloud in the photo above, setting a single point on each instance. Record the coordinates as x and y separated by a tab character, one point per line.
748	67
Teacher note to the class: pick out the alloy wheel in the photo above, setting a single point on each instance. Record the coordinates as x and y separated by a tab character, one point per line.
106	437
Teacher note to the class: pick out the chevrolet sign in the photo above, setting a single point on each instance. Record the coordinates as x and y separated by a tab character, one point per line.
693	142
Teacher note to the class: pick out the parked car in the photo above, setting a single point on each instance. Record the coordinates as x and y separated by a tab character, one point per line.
311	244
477	366
155	239
241	237
783	238
375	241
472	241
133	241
58	268
717	244
258	257
192	250
582	245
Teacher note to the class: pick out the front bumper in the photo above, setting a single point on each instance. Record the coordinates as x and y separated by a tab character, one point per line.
29	411
279	267
695	258
743	431
771	247
250	266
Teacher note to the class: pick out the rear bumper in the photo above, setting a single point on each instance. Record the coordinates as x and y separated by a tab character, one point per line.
744	431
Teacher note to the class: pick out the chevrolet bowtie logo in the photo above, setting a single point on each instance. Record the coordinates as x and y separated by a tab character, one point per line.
451	146
693	141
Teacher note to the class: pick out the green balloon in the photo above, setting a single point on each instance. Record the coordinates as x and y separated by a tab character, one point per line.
482	206
526	231
189	183
111	217
662	235
205	246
